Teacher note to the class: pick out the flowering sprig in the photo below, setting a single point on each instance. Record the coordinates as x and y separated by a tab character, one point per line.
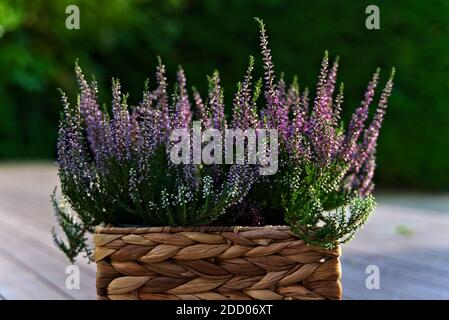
323	166
116	168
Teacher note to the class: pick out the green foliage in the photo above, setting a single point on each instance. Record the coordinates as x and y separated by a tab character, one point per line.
318	209
317	206
162	196
74	231
328	229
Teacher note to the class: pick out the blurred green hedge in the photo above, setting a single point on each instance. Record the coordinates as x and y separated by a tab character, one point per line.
122	38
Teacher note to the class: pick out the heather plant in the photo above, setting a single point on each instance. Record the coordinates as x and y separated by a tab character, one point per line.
116	169
325	179
114	165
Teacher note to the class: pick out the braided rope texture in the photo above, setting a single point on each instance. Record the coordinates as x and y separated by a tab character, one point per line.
213	263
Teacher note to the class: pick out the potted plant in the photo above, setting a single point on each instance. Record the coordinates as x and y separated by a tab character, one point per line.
183	229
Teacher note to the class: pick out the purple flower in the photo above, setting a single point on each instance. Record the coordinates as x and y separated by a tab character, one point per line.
216	102
270	88
202	110
372	132
120	124
364	178
97	128
183	114
244	113
72	157
271	94
358	122
322	131
162	99
331	81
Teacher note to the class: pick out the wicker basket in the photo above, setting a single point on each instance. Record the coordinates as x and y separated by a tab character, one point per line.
235	263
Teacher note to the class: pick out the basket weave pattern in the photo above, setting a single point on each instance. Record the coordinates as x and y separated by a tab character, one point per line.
192	263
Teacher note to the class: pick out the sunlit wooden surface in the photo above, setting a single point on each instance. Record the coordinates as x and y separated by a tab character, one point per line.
407	239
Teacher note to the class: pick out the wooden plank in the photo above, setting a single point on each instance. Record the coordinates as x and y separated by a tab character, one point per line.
26	189
434	277
417	259
38	236
353	282
26	219
398	280
23	217
413	267
50	266
428	241
21	282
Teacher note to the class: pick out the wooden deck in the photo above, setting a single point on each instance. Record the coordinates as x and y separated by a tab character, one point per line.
407	239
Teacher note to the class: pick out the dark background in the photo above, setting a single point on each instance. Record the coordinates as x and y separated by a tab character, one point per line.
122	39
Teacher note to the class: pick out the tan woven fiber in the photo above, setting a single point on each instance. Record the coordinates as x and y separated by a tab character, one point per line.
213	263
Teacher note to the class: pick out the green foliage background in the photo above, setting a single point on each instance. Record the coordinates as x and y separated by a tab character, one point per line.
122	38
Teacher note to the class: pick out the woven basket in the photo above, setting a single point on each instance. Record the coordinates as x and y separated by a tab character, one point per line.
235	263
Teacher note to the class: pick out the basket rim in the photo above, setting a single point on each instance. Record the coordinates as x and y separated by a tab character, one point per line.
110	229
